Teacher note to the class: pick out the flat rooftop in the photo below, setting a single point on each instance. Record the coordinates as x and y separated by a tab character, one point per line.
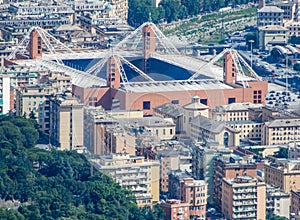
173	86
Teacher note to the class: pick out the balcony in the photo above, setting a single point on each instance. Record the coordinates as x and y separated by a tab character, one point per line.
245	203
245	197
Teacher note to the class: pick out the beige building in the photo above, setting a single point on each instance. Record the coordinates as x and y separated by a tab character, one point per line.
191	111
281	131
243	198
272	35
66	122
161	129
248	130
139	175
30	97
270	15
104	135
173	111
285	175
234	111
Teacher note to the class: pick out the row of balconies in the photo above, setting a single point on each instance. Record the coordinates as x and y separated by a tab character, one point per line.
245	203
253	196
245	191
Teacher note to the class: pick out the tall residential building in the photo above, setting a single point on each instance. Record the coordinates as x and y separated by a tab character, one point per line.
243	198
66	122
139	175
285	175
191	191
6	94
203	165
30	97
172	159
229	167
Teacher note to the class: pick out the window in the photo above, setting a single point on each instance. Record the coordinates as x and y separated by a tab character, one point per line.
175	101
171	131
146	105
203	101
231	100
164	131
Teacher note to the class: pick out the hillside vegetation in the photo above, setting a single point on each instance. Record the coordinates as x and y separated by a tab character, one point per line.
39	184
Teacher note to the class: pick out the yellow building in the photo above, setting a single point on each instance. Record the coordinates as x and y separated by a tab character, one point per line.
244	198
137	174
284	175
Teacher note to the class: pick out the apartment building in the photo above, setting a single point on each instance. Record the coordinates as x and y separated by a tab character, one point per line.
191	191
248	129
228	167
139	175
203	164
175	209
173	159
293	29
171	110
281	131
234	111
285	175
270	15
66	122
278	202
6	94
30	97
162	129
243	197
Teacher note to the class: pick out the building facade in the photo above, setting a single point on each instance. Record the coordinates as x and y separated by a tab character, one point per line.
284	175
191	191
137	174
229	167
243	198
66	122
